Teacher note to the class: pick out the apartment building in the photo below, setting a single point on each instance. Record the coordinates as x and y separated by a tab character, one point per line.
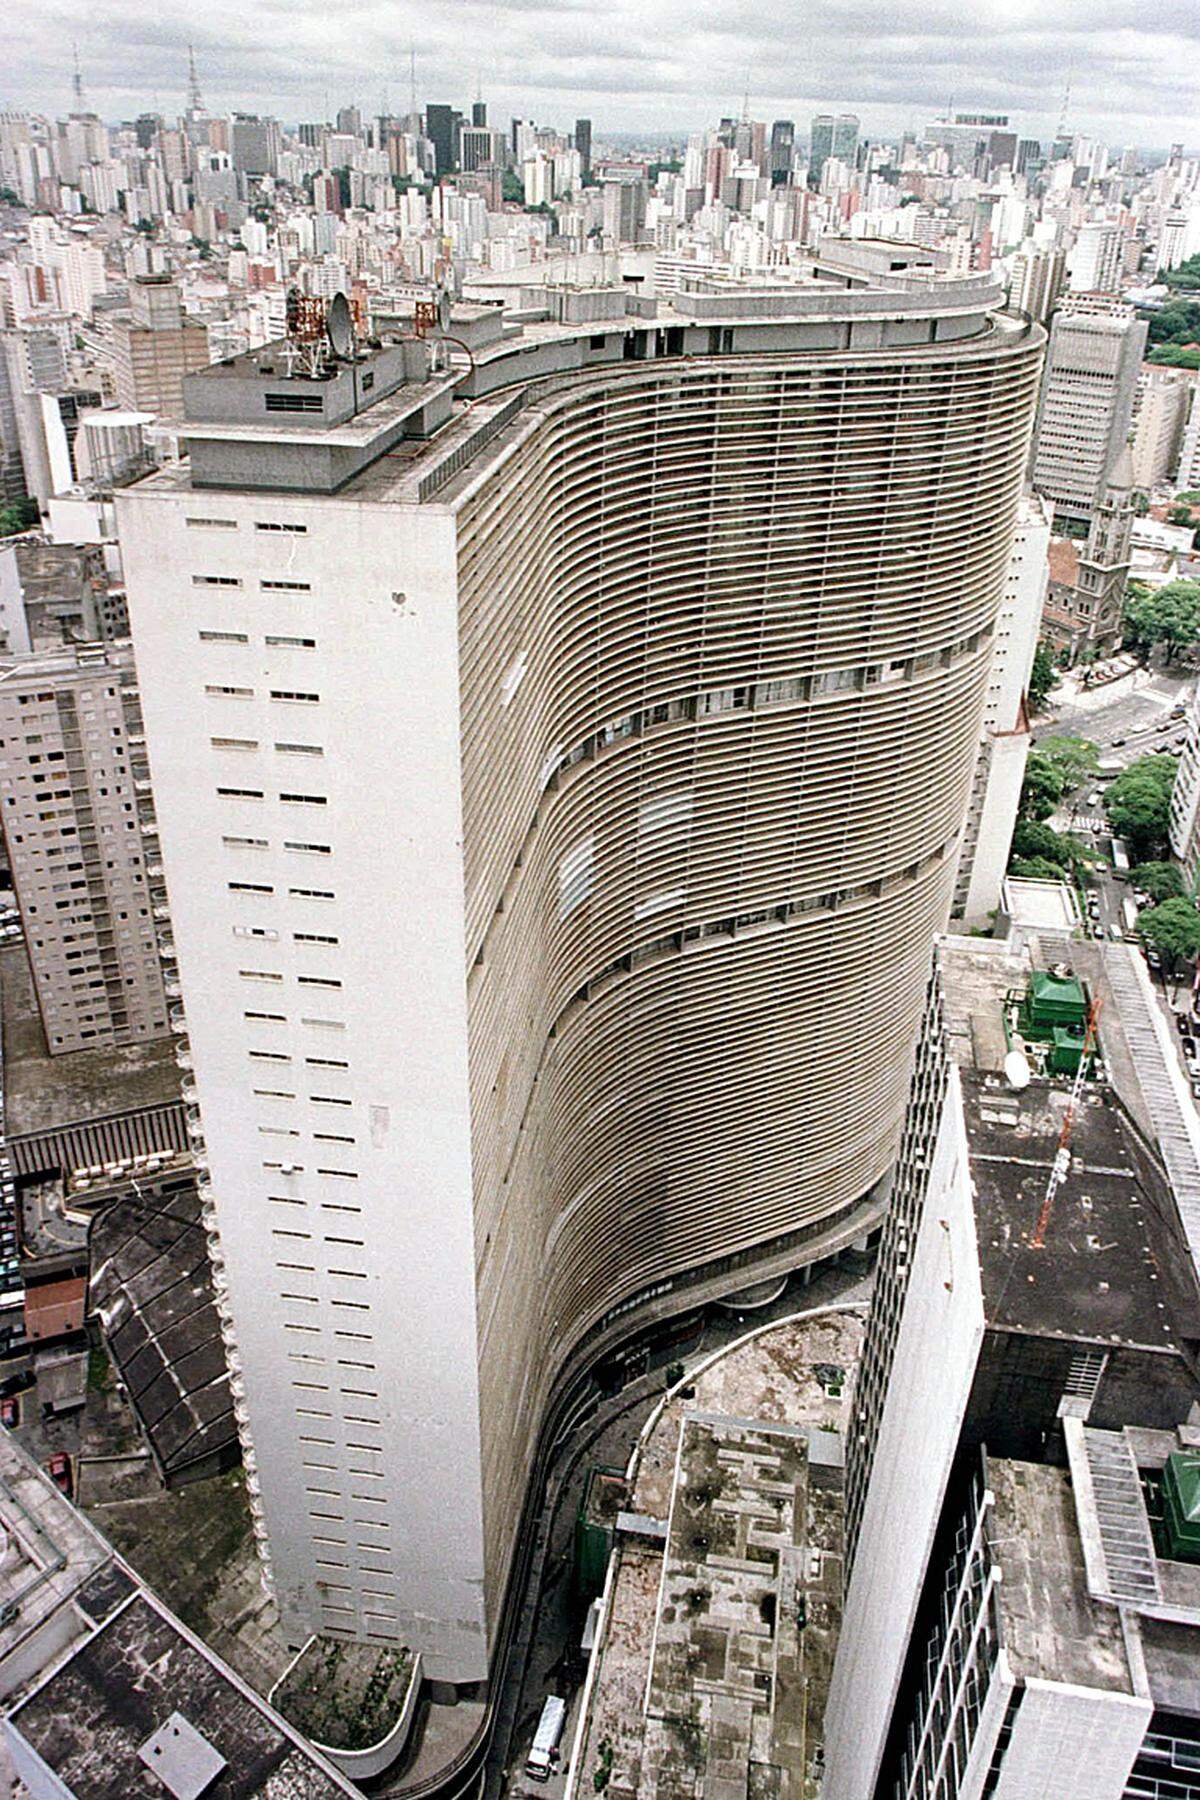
70	734
1161	420
1004	747
155	348
548	788
1086	403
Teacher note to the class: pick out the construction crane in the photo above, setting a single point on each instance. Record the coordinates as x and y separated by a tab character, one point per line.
1062	1156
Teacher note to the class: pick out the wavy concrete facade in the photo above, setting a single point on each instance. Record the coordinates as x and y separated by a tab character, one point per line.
647	698
753	608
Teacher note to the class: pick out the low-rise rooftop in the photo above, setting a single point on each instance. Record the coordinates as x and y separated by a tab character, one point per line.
715	1650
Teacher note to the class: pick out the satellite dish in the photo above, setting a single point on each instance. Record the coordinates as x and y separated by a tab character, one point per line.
1017	1072
339	327
443	306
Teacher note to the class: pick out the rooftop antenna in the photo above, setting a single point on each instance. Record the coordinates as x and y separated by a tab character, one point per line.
1066	101
1062	1158
412	77
195	99
77	79
746	103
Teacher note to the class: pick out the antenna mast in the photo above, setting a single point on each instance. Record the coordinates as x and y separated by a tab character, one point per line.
195	100
77	80
1062	1157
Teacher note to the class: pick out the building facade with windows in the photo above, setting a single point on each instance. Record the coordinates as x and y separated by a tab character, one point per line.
73	767
1050	1294
548	790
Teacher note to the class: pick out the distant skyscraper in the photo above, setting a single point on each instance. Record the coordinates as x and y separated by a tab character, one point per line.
820	146
479	112
1037	278
583	143
506	963
845	138
1086	404
783	140
1096	260
254	144
440	130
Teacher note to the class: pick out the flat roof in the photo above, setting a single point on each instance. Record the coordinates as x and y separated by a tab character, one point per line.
1110	1269
92	1716
1040	905
44	1092
1051	1627
716	1649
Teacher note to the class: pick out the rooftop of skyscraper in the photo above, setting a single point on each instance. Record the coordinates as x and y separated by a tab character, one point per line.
1110	1260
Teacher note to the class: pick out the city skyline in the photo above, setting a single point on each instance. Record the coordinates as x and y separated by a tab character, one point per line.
634	70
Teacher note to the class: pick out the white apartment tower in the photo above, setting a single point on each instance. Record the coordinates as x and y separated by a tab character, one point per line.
1004	748
548	788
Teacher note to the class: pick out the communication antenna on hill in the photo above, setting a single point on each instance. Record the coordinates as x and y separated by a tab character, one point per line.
77	80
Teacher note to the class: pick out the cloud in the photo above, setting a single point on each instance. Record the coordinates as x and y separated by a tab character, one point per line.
665	65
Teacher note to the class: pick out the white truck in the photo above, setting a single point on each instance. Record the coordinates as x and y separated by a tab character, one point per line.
543	1752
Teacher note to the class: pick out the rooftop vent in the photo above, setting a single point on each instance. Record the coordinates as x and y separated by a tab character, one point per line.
182	1758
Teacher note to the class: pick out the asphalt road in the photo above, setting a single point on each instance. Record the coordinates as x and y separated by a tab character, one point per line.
1133	710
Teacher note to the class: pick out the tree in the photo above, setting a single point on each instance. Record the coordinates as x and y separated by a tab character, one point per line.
1138	803
1072	758
1167	615
1178	322
1036	868
1173	929
21	515
1161	880
512	187
1041	790
1042	676
1032	838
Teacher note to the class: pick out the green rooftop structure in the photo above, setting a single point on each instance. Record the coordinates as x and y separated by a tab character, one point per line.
1066	1050
1055	1000
1181	1505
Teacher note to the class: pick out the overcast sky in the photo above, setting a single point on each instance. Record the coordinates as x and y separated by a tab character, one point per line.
668	65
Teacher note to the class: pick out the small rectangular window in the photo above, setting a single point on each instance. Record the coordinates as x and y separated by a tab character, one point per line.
224	637
248	887
304	799
295	695
292	643
217	581
227	743
285	587
241	793
228	693
317	981
310	849
311	894
244	843
312	937
300	749
275	525
212	524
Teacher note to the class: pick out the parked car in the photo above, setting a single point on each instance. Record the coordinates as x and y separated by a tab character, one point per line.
10	1412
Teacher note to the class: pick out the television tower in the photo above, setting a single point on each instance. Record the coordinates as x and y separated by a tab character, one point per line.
195	99
77	80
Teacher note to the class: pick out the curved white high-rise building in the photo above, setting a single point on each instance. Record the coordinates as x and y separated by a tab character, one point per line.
559	767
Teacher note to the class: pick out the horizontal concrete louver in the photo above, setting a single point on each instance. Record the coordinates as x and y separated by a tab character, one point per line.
710	833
